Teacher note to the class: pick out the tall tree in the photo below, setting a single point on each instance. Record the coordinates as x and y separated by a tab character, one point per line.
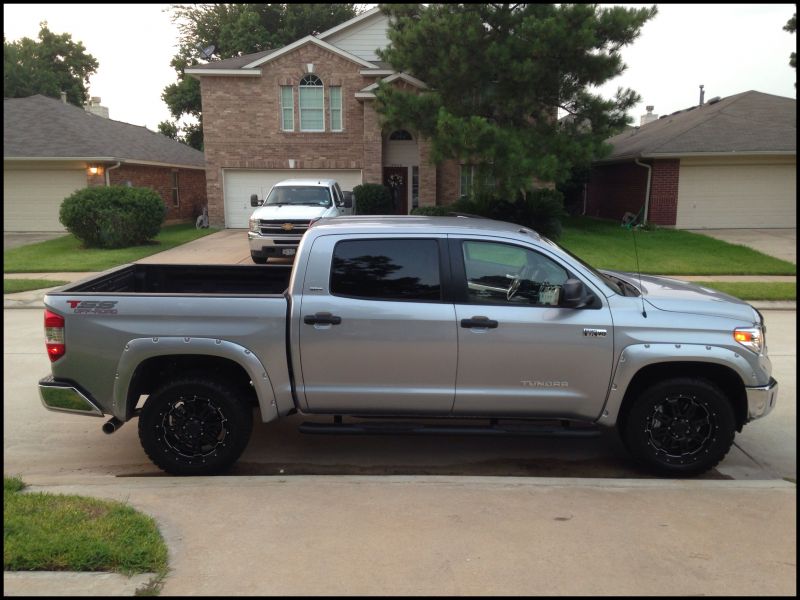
498	74
233	30
48	66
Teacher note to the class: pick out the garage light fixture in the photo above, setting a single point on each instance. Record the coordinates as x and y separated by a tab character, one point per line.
95	169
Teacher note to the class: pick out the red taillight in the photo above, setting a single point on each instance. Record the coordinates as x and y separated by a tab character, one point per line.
54	335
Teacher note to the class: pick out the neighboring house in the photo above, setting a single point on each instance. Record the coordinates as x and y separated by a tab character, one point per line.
306	110
51	149
729	163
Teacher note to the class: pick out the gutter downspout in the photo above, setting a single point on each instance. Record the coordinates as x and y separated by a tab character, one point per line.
119	163
647	192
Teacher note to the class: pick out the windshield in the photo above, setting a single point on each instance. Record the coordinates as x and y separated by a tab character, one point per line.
615	287
299	194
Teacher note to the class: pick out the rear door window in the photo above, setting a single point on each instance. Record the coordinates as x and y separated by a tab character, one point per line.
387	270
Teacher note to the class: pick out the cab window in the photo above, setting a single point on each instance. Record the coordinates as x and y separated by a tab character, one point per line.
511	275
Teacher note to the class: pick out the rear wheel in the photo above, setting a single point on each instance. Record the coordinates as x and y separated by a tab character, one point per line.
681	426
195	426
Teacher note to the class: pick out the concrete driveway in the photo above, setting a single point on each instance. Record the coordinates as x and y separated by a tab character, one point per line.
780	243
15	240
226	247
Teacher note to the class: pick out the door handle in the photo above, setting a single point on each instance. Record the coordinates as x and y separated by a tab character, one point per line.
479	322
322	318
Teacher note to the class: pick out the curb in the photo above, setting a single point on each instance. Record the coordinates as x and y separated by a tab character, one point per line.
70	583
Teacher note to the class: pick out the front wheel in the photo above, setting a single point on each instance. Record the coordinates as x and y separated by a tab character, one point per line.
681	426
259	260
195	426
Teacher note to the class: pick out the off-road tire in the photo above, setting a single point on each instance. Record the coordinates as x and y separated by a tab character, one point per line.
678	427
195	426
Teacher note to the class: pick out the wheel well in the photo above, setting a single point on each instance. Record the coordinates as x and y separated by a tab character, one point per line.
154	371
723	377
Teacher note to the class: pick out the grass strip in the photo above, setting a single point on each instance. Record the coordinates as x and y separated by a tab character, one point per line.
12	286
606	245
755	290
50	532
66	253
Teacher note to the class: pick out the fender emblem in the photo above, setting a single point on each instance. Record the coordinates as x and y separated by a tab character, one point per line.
588	332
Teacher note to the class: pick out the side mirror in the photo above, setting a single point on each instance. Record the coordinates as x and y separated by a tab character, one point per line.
574	294
254	201
348	199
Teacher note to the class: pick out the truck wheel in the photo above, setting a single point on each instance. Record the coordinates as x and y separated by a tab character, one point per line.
194	426
681	426
259	260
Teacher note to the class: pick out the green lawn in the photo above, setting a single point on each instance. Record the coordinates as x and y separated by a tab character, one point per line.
772	290
49	532
606	245
12	286
66	254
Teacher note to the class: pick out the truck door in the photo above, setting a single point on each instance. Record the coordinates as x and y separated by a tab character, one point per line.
519	352
375	335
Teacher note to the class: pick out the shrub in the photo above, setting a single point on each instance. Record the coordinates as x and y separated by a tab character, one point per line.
373	199
541	210
113	217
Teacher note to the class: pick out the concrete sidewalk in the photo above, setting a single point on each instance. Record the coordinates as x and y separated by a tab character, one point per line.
463	535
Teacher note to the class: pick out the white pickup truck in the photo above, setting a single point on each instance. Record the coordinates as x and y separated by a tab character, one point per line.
279	222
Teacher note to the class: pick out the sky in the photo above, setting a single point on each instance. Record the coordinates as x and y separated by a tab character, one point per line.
729	48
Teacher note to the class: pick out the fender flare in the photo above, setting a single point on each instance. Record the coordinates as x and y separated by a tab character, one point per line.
638	356
140	349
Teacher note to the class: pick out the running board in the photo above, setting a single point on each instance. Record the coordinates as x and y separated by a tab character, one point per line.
339	428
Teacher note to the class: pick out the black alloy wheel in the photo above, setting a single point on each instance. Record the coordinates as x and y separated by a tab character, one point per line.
195	426
681	426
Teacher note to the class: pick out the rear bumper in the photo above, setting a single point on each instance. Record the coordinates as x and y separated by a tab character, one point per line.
64	397
761	400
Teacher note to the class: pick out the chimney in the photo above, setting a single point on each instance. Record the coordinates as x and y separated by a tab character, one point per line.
702	95
649	117
64	97
93	106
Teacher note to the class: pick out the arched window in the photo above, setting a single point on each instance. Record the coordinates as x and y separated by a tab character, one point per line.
312	103
400	134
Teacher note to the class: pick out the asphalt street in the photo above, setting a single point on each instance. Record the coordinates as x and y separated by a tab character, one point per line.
394	514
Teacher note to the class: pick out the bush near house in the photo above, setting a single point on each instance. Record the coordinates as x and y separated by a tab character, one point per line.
114	216
541	210
373	199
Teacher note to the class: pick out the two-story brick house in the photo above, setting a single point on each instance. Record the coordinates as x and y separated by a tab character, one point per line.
307	110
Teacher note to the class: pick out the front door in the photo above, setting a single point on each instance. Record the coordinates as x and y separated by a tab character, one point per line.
396	179
519	352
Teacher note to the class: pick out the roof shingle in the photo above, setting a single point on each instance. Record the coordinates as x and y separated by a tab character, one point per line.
41	127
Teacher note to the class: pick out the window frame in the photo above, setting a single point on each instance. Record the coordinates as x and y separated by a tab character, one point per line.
340	109
175	186
300	88
285	108
445	279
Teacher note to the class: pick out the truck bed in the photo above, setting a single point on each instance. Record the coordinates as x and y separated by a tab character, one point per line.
188	279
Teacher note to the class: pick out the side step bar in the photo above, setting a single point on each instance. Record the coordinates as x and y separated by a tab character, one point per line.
339	428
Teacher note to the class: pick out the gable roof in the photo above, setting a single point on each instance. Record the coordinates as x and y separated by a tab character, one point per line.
45	128
347	24
750	122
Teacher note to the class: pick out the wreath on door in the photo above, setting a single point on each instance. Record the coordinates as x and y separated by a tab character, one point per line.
395	180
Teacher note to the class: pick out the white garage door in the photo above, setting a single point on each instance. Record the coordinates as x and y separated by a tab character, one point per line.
31	199
239	185
740	196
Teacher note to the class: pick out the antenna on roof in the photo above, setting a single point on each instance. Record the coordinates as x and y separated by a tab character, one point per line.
206	52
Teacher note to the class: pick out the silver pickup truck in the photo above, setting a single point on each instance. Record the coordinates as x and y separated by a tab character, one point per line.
446	319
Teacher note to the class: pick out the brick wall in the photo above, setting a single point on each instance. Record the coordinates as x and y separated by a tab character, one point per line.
448	182
191	187
616	189
664	192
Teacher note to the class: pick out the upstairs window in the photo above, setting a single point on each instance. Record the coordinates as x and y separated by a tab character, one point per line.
287	108
312	104
336	107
